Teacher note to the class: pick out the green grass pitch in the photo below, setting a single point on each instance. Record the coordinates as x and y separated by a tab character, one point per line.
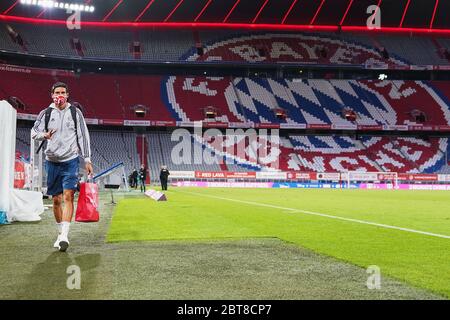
192	214
239	244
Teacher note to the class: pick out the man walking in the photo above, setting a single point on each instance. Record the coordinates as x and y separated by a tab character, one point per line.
64	128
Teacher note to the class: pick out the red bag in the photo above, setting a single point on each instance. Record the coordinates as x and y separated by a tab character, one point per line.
87	208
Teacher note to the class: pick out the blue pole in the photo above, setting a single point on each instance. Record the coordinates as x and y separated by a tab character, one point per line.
107	170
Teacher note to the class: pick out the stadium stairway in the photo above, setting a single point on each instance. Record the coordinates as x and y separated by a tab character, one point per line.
223	166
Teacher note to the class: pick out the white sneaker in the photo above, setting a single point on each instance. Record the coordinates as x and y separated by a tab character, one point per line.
56	244
63	243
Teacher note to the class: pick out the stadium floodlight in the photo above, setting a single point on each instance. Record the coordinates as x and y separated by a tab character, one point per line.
59	5
48	4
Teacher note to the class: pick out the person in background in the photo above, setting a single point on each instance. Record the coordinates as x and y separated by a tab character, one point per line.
134	178
164	177
130	180
142	177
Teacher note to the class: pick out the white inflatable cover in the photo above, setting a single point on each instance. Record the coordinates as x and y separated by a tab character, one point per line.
25	206
19	205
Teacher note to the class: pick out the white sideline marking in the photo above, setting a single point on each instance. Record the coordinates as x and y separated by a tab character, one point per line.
323	215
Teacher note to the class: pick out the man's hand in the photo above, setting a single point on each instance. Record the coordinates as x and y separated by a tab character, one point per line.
89	169
49	134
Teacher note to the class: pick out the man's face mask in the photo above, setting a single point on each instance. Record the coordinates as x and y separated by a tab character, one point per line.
59	100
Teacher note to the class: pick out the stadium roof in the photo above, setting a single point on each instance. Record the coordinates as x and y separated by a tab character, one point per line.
426	16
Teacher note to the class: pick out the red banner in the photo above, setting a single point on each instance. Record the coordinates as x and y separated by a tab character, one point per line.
389	127
225	175
19	175
215	124
27	70
368	127
420	128
332	176
137	123
386	176
113	122
302	175
240	124
267	126
318	126
236	175
344	127
164	123
417	177
169	123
